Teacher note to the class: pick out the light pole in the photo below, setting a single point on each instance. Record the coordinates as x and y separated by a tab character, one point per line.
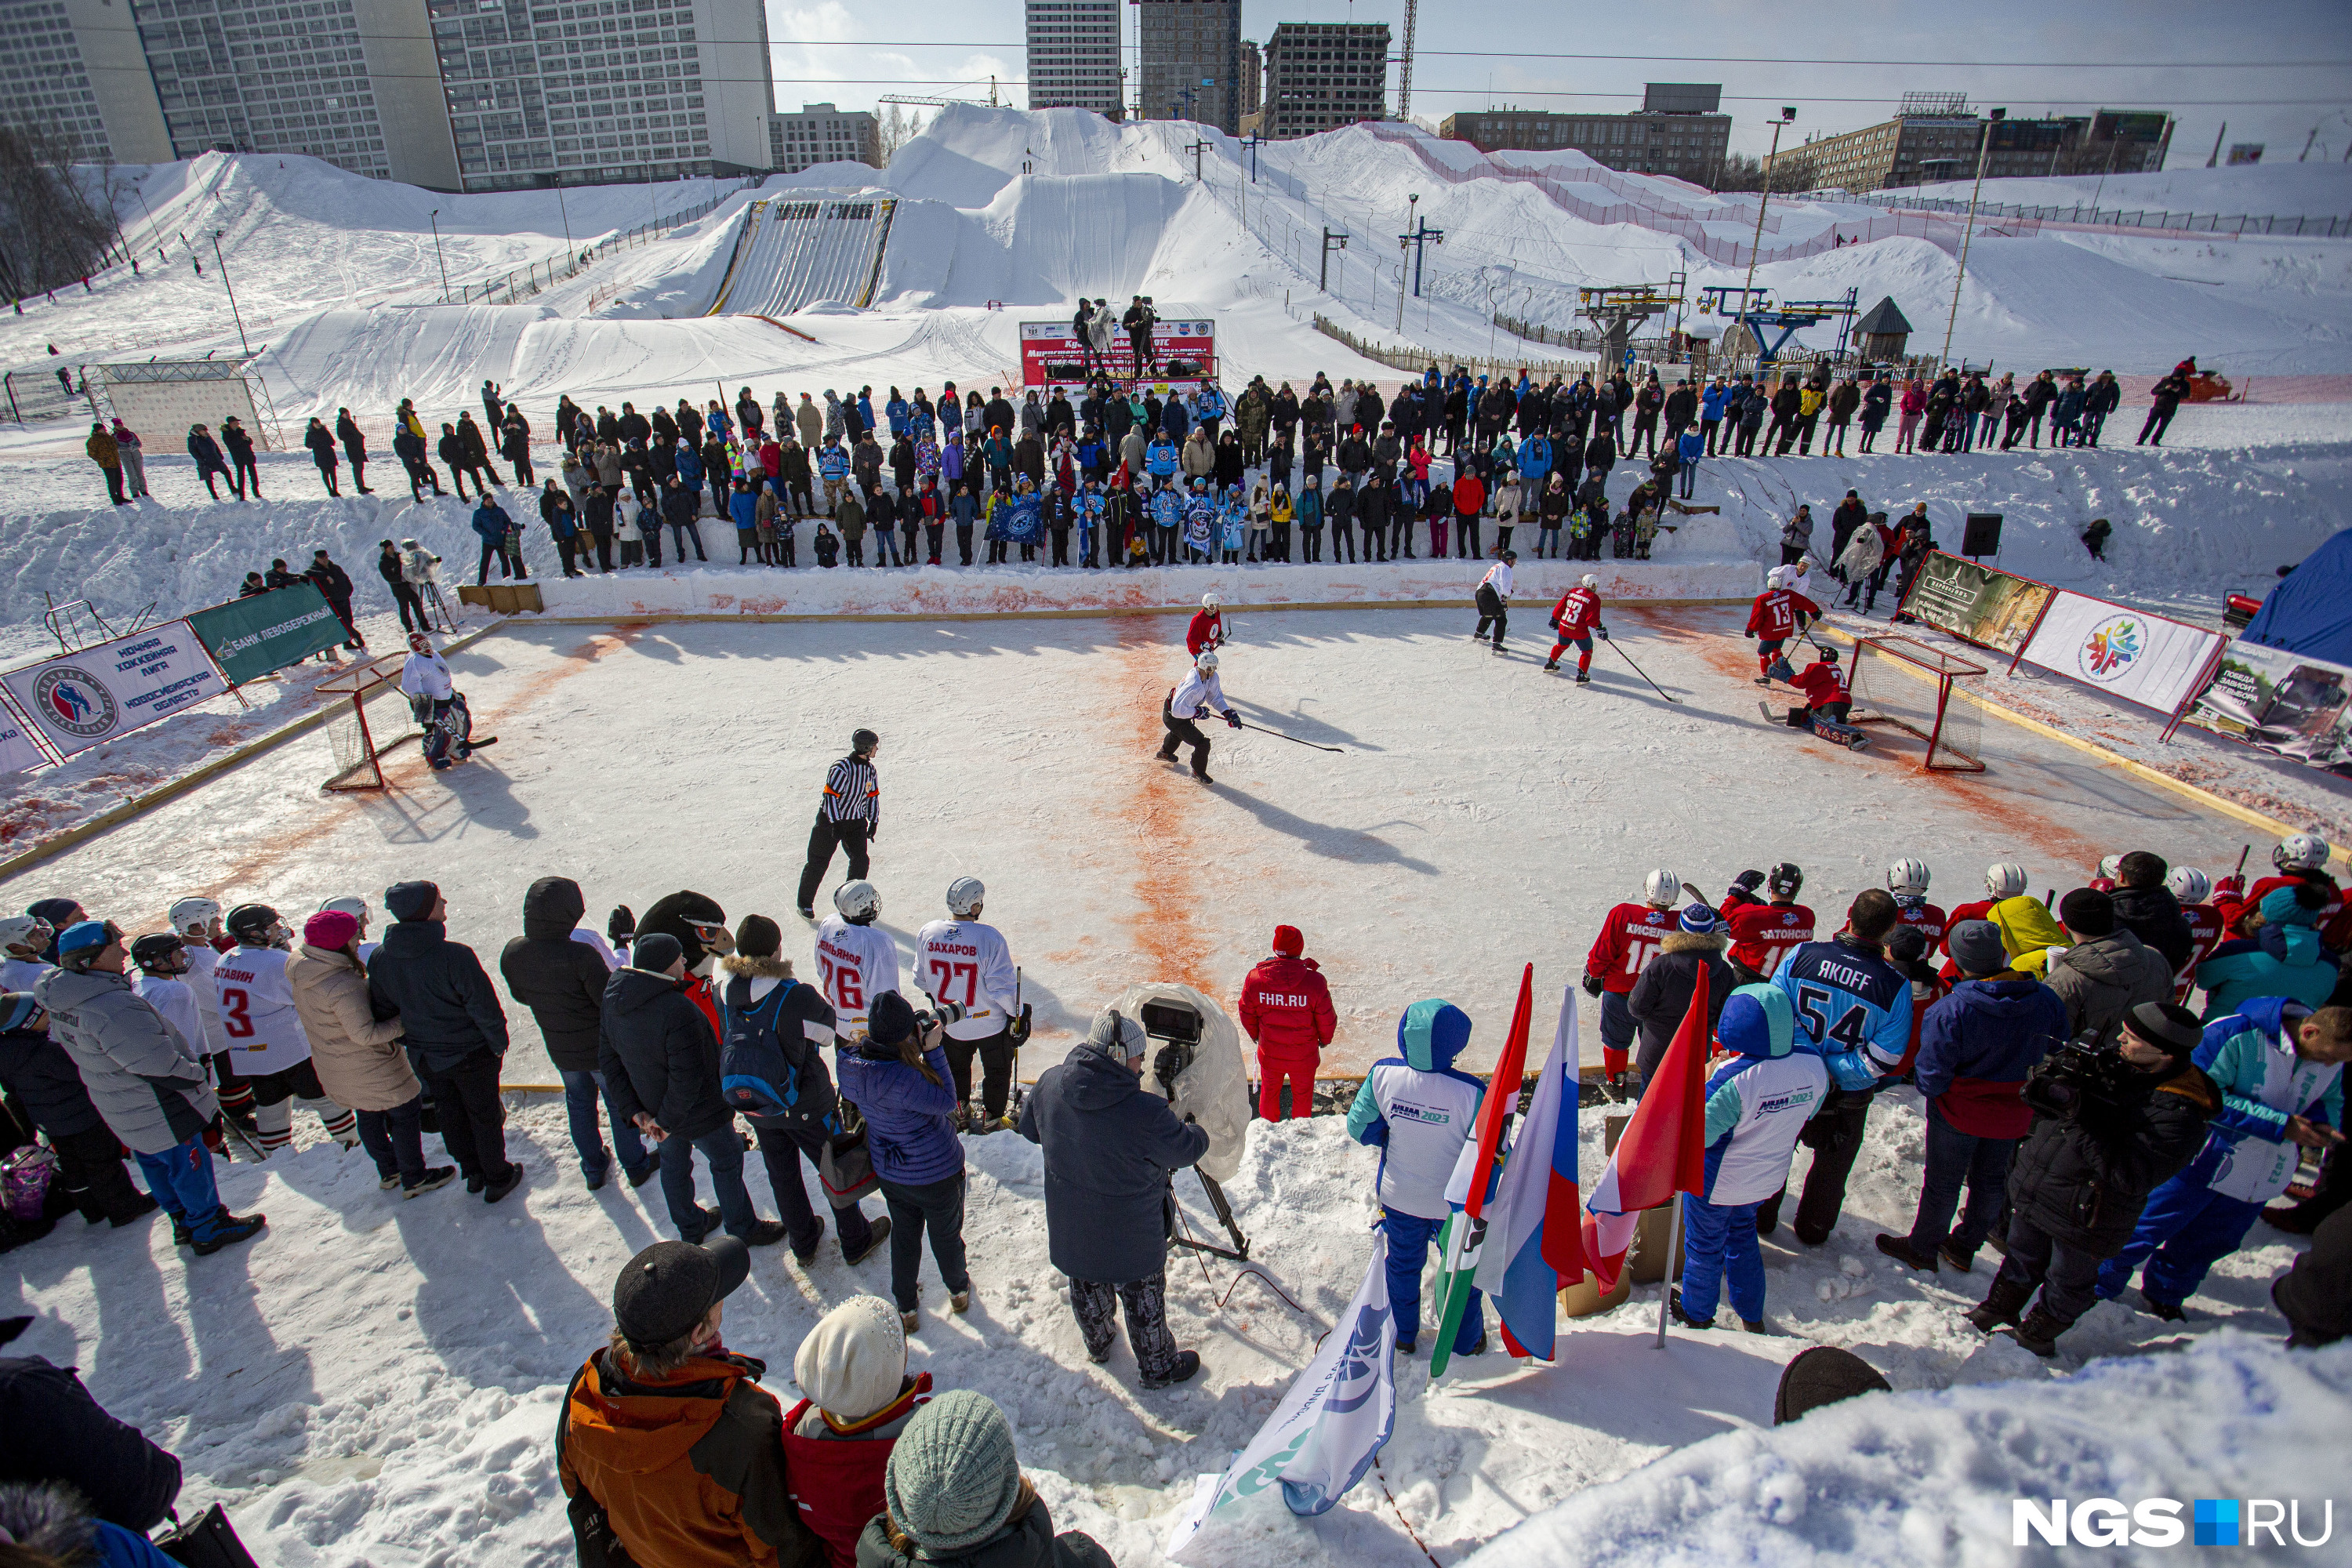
1331	242
565	212
1251	141
438	259
233	311
1787	115
1984	148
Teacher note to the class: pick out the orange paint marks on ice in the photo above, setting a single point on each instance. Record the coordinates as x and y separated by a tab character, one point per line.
1158	817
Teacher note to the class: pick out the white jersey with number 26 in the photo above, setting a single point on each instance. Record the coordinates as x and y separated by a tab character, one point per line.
967	963
256	1004
853	964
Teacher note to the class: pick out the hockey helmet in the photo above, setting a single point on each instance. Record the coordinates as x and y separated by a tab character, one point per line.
2111	867
1662	888
420	642
195	916
2189	885
1588	581
1211	602
159	953
1207	662
2005	880
258	925
864	742
2299	852
964	896
1908	876
26	934
355	908
858	901
1785	881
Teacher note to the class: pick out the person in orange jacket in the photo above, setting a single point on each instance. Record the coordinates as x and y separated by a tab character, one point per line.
1286	1005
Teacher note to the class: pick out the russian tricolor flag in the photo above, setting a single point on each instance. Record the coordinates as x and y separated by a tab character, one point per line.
1661	1153
1533	1238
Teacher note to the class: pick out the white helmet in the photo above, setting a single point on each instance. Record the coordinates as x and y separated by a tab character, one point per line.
857	900
2005	880
1777	577
1662	888
355	908
30	932
2111	867
195	917
1211	602
2299	852
964	896
1590	581
2189	885
1208	660
1908	876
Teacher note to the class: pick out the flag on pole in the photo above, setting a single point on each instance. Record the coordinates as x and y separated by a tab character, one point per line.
1320	1439
1663	1152
1535	1239
1466	1232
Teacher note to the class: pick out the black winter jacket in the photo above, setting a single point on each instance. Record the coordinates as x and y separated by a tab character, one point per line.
37	1071
448	1009
2085	1179
657	1055
559	980
52	1430
1110	1147
1663	994
802	1020
2153	915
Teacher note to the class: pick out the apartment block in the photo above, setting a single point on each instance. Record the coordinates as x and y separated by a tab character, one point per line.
821	133
1074	55
1320	76
1190	58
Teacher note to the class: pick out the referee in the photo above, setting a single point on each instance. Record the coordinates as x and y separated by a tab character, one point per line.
848	817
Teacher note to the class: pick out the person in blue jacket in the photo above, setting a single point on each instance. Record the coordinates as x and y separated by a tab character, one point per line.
896	412
1417	1109
2280	1067
1710	411
897	1076
1175	419
1757	1104
690	466
491	521
2280	955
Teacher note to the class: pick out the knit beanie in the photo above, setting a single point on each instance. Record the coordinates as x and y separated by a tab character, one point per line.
889	1019
656	953
329	930
1287	941
1977	949
1117	1037
759	937
2088	913
1699	920
953	1475
411	901
853	1362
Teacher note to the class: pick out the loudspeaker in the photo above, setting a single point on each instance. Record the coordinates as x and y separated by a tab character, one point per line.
1982	536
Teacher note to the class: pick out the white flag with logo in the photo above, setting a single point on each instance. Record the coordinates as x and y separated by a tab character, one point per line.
1320	1439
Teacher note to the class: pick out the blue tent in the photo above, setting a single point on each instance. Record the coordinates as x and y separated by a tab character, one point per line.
2310	611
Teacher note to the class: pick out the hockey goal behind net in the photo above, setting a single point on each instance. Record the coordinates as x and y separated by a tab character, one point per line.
1923	691
373	718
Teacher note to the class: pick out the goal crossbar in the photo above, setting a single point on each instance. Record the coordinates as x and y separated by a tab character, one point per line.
1924	691
375	719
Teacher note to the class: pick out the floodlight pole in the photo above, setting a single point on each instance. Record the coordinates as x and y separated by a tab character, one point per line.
233	310
438	257
1763	197
1984	148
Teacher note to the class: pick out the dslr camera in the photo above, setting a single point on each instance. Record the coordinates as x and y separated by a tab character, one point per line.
937	1013
2080	1071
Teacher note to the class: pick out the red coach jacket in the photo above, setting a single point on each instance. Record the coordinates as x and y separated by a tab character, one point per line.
1286	1005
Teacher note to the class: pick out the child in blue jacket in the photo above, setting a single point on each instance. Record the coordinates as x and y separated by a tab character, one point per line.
1417	1109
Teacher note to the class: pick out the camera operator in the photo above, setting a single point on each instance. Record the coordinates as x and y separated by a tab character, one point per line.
1111	1148
2111	1125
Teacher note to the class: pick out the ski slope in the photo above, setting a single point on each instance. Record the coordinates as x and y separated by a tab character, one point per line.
794	254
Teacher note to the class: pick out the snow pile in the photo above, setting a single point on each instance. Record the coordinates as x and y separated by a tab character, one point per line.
1895	1480
2319	189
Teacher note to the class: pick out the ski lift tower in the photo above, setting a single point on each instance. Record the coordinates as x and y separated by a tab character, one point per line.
1753	309
1616	311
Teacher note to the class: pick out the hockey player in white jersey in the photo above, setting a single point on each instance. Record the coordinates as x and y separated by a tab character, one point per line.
163	982
1201	693
196	921
267	1047
357	909
23	940
962	961
855	963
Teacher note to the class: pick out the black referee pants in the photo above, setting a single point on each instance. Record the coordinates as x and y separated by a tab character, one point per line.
1183	732
824	836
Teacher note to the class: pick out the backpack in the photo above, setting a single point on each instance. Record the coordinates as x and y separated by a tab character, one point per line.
757	1077
26	1177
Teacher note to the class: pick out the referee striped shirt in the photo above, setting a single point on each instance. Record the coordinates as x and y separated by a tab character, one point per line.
853	793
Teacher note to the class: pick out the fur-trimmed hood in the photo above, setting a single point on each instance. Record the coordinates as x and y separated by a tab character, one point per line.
752	968
1695	941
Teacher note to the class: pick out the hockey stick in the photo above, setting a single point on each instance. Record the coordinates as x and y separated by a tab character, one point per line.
1292	739
1640	671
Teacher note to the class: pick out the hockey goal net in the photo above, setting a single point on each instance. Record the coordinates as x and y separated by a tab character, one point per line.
1923	691
374	718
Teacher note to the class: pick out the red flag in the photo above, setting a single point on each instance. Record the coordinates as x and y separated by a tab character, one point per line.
1664	1149
1503	1095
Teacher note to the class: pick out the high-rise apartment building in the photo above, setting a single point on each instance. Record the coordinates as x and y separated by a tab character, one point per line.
1320	76
821	133
74	66
1074	55
1678	131
1190	53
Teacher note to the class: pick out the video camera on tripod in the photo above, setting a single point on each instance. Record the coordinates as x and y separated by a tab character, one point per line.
1176	1028
2080	1073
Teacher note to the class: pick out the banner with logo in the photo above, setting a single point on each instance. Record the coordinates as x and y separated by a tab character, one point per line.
1321	1438
2288	704
1052	356
250	638
1981	605
18	750
2130	654
82	699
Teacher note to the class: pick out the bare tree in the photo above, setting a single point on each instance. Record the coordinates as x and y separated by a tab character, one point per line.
54	228
1792	171
898	128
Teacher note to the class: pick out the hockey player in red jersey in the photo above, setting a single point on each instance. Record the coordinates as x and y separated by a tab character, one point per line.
1629	939
1763	934
2299	857
1777	614
1826	701
2191	888
1577	617
1908	879
1208	627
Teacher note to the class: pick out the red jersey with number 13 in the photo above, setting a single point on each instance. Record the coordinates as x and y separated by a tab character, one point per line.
1775	611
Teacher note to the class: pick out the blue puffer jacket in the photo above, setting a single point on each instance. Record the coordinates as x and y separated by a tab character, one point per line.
907	1126
2239	972
1710	403
1976	1048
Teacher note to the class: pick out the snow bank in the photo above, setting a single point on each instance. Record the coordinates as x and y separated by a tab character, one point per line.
1897	1480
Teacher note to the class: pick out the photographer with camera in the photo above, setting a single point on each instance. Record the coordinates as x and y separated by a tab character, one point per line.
2112	1123
1111	1147
2280	1068
897	1076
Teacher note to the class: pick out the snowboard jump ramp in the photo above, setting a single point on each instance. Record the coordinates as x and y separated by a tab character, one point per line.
792	254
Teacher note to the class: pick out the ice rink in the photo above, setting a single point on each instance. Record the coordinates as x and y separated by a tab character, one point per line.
1481	814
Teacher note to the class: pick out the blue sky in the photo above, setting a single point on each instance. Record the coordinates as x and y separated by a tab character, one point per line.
2277	67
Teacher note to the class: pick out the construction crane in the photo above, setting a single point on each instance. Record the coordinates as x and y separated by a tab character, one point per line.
1404	62
940	102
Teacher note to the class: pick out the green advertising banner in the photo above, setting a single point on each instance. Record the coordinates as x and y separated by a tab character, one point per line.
1981	605
250	638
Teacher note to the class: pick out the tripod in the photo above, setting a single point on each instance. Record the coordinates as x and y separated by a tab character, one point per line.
1239	1251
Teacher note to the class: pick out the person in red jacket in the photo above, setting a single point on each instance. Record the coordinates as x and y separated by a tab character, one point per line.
1286	1007
1577	617
1631	935
1826	701
1779	614
1469	500
1208	627
837	1441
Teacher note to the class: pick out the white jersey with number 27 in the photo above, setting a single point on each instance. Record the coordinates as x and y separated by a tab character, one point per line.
853	964
967	963
264	1034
